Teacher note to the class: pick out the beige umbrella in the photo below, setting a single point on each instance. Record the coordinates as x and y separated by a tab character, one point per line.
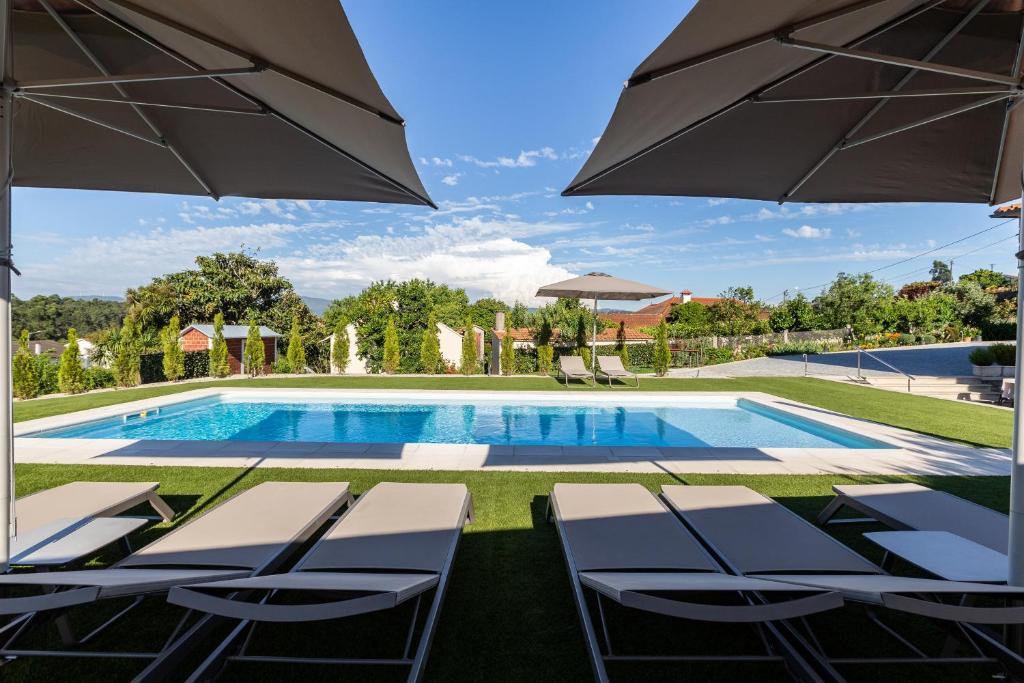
254	98
600	286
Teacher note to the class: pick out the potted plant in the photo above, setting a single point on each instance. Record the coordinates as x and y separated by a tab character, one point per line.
984	363
1005	356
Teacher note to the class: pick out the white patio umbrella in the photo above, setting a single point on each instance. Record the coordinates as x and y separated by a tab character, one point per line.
253	98
600	286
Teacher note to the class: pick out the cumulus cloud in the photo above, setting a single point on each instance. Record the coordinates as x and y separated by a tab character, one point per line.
525	159
808	232
451	180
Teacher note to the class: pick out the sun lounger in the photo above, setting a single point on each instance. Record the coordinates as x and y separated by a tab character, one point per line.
611	366
757	537
918	508
572	367
395	544
622	543
87	499
249	534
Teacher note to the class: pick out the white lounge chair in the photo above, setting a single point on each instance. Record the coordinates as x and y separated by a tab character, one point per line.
572	367
87	499
611	366
396	543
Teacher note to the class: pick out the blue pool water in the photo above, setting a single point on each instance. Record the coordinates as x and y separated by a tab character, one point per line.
714	422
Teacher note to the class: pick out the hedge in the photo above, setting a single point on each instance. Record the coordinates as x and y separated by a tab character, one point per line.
1002	330
197	364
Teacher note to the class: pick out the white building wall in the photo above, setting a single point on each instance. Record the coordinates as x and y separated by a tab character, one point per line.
356	365
450	342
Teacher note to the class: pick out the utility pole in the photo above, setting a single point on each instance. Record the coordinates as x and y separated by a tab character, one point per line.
785	295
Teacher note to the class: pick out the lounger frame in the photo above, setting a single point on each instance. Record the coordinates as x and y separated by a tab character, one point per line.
616	374
793	655
235	645
177	645
572	374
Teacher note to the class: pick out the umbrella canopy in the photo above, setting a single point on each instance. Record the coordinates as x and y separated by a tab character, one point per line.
234	97
831	100
822	101
600	286
255	98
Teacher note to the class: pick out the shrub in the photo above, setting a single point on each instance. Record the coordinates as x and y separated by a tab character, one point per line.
46	371
928	339
296	352
218	357
906	339
981	356
341	348
281	366
545	358
392	355
714	356
790	348
255	357
128	356
662	354
430	348
508	351
71	374
470	364
24	372
174	356
998	330
98	378
1003	354
584	353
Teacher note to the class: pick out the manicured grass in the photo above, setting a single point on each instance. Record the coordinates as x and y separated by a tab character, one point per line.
972	424
509	614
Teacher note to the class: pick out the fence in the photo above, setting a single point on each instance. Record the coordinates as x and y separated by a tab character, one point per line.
786	337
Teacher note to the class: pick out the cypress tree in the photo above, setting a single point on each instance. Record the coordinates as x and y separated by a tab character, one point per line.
255	356
662	354
296	352
340	349
174	355
470	359
430	349
25	375
219	366
620	341
391	351
508	351
128	357
71	374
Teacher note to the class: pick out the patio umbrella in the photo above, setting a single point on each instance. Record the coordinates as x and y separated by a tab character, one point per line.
254	98
600	286
837	100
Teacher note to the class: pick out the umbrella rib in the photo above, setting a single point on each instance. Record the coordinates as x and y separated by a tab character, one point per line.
281	71
881	103
746	98
150	123
92	119
1010	106
887	94
144	102
152	42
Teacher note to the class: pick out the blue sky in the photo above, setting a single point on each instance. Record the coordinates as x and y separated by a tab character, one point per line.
503	102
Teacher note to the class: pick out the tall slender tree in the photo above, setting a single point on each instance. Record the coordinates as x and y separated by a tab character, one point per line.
219	366
340	349
620	343
25	375
392	354
71	374
508	351
128	356
296	352
470	358
430	349
255	356
174	355
662	354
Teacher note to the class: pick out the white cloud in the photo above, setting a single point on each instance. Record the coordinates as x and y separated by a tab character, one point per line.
451	180
717	201
525	159
721	220
804	211
808	232
436	161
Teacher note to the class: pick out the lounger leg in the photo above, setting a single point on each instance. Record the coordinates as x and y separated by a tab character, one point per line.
161	506
834	506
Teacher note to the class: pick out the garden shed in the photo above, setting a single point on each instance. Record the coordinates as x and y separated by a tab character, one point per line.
199	337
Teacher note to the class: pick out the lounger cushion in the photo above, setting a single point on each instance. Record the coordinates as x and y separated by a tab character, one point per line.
758	535
78	499
246	531
911	506
403	586
392	526
114	582
871	588
625	527
613	584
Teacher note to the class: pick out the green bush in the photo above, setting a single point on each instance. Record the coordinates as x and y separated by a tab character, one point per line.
25	374
999	330
982	356
1004	354
98	378
545	359
714	356
281	366
217	359
46	371
907	339
928	339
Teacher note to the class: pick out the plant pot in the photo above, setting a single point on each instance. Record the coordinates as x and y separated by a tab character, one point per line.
988	370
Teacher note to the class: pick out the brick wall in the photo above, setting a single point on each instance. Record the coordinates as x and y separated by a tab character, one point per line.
194	340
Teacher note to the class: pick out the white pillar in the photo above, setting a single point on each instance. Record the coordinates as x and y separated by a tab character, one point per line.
1016	545
593	343
6	400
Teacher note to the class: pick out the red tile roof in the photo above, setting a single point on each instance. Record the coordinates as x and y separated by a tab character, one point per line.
525	334
1008	211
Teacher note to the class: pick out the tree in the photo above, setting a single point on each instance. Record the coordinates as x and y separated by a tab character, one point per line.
795	314
662	353
545	359
128	355
690	319
508	351
916	290
255	357
470	364
174	355
50	316
544	332
484	310
430	349
519	316
941	272
71	374
851	300
296	353
987	279
580	339
341	348
24	373
219	366
621	345
736	313
973	305
392	356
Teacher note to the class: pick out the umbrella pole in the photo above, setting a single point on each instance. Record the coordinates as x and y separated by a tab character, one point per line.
1016	544
593	343
6	402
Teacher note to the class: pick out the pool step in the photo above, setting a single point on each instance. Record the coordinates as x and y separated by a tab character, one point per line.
963	388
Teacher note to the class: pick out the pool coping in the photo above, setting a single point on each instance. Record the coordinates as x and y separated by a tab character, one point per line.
911	452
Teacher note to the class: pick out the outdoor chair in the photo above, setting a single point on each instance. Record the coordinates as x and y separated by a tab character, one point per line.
611	366
397	543
249	534
756	537
572	367
623	545
87	499
919	508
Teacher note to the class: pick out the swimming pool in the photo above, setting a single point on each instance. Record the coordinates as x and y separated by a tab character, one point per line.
716	422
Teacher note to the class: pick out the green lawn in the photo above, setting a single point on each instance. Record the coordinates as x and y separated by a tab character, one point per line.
509	615
976	425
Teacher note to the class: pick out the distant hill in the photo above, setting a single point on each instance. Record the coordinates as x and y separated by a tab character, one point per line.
316	304
98	297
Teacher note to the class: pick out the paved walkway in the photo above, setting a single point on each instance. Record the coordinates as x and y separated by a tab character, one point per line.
934	360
